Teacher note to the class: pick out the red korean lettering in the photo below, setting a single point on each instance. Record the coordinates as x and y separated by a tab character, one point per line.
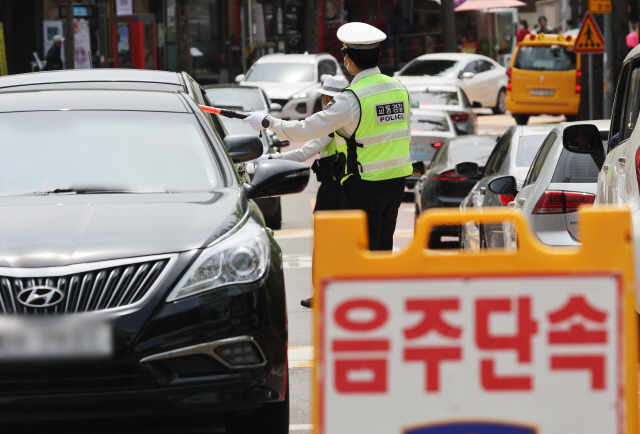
520	342
379	312
432	320
576	333
432	357
595	364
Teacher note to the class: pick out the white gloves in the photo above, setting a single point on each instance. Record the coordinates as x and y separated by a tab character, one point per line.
255	120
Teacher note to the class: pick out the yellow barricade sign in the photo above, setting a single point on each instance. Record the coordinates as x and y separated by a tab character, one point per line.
537	340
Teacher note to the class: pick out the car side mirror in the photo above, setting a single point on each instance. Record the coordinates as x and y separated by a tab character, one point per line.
504	185
584	139
243	147
467	75
278	177
476	104
323	77
279	143
239	78
275	107
468	169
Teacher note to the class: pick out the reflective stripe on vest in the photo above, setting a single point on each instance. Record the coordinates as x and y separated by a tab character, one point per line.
383	131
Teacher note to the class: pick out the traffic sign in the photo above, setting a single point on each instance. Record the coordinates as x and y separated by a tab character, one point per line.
589	38
600	6
540	340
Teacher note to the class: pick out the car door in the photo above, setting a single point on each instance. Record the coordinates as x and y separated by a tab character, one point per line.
470	85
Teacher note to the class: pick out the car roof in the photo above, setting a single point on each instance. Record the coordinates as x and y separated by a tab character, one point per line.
451	56
93	99
231	85
433	87
291	58
532	130
92	75
601	124
473	139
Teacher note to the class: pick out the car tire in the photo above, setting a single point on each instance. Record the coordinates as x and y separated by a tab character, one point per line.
521	119
501	103
269	419
274	220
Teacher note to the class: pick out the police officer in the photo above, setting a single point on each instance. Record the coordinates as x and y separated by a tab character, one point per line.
372	117
329	192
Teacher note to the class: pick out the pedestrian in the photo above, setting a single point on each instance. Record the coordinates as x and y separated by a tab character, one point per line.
329	193
370	120
542	21
523	30
632	36
53	56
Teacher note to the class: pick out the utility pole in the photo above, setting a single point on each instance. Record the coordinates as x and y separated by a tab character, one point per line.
182	37
69	46
448	27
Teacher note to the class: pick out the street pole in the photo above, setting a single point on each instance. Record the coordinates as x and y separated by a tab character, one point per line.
608	67
69	45
590	87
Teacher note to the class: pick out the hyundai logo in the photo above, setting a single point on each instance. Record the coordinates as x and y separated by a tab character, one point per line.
40	296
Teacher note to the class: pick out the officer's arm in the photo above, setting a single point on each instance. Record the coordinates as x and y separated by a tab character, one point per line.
308	150
340	114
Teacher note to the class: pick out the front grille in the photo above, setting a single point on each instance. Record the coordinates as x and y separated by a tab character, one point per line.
86	291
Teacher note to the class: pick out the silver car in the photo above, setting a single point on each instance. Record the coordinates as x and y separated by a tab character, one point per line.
512	156
450	98
557	184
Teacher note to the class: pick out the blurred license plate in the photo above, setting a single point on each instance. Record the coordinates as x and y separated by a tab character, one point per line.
542	92
40	339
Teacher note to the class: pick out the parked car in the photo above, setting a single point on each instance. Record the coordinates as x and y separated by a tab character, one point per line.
241	98
442	186
292	80
557	184
430	129
512	155
271	207
112	78
544	78
483	79
136	276
451	99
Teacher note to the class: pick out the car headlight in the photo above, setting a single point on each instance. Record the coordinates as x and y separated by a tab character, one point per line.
242	257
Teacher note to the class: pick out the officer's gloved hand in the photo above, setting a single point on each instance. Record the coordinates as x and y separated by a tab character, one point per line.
255	120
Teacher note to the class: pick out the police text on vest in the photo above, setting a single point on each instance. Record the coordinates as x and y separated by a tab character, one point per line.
390	112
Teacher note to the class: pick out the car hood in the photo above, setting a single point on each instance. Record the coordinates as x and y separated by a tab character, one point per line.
54	231
286	90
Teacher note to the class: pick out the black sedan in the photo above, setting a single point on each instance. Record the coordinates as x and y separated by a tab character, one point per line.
136	275
442	186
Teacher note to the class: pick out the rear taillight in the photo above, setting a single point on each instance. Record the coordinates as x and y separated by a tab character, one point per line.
506	198
436	144
459	117
562	202
578	77
451	175
509	82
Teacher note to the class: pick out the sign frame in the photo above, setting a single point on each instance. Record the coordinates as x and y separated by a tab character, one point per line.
346	232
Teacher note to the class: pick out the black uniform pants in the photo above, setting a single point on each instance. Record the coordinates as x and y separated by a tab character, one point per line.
380	200
329	196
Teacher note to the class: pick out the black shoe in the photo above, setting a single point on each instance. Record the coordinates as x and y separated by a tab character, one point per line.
307	302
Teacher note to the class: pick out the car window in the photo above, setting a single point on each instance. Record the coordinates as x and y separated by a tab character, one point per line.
538	162
248	99
433	97
632	104
500	151
465	99
327	67
617	111
484	66
433	67
472	67
441	156
527	148
424	122
477	152
281	72
545	58
575	168
140	153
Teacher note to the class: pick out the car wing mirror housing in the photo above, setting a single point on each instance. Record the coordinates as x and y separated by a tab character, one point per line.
468	169
467	75
279	143
243	147
277	178
476	104
584	139
275	107
504	185
239	78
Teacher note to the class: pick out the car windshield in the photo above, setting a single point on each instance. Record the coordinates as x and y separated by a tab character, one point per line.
422	122
104	152
545	58
246	98
528	148
427	98
473	151
433	67
281	72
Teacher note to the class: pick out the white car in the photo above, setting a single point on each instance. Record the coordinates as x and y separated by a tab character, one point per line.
292	80
483	79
